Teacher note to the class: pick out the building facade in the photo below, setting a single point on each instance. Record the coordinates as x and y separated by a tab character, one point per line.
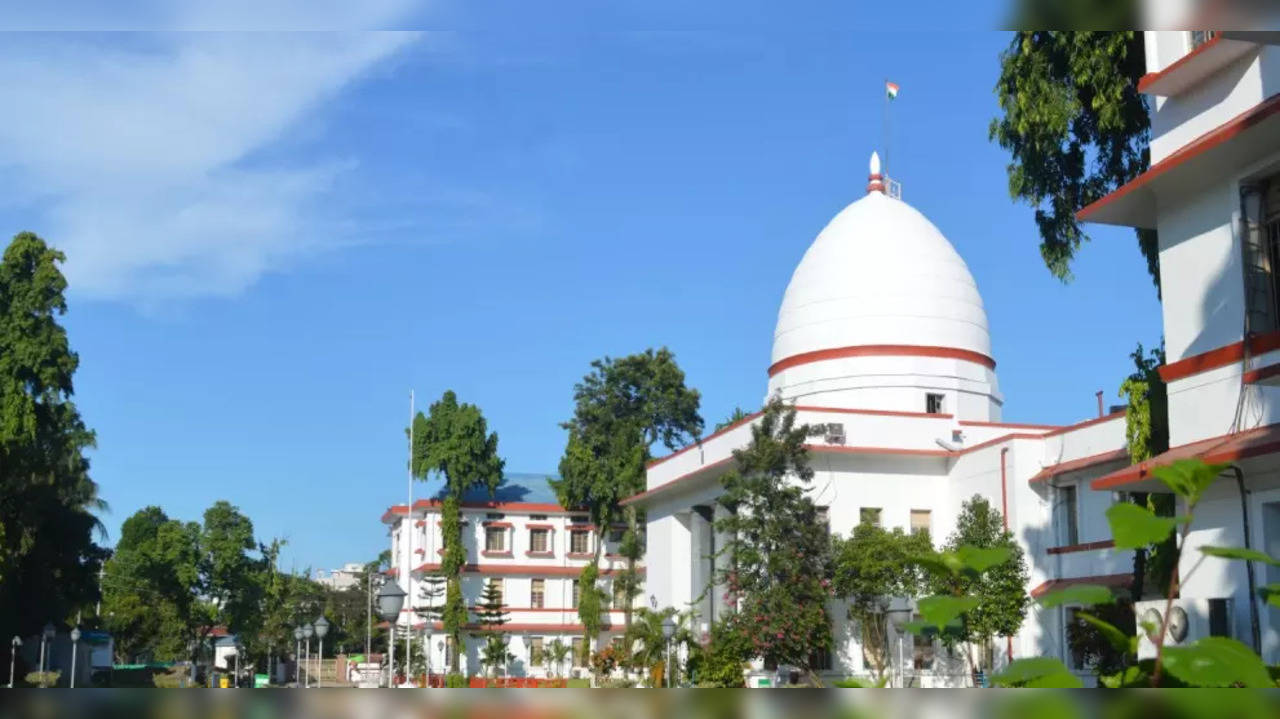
346	577
533	549
1212	193
882	342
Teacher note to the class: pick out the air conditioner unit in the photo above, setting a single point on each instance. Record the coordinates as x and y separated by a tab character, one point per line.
834	433
1190	618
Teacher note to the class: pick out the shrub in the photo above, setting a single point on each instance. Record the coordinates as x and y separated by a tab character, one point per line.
42	679
617	684
455	681
722	661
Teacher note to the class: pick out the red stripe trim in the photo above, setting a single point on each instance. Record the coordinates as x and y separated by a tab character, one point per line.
1086	547
1008	425
550	527
1146	80
1196	147
498	525
534	507
1257	375
881	351
1219	357
1072	465
504	569
709	437
1214	450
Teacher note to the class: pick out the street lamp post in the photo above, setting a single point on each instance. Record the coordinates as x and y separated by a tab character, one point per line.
307	631
235	664
390	600
75	642
14	645
322	628
297	656
669	631
46	636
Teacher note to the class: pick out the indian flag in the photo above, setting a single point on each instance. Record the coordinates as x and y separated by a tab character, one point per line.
891	90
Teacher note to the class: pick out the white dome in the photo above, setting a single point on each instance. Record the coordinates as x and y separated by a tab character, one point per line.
881	293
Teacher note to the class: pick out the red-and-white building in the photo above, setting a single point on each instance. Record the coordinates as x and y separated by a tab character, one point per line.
882	341
1213	194
534	549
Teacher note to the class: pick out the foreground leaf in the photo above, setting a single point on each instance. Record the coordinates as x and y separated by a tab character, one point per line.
1271	593
1248	555
1217	662
1134	676
856	683
1038	672
943	563
1134	527
941	610
980	560
1084	594
1189	478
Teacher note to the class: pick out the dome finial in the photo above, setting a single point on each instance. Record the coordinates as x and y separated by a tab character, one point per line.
876	181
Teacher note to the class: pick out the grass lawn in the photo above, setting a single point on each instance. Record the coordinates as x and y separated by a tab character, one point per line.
578	684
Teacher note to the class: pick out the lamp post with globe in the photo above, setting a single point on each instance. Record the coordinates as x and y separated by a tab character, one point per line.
75	643
390	600
669	631
307	632
46	637
297	655
14	645
321	629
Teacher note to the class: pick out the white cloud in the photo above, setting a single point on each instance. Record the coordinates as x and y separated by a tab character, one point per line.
134	149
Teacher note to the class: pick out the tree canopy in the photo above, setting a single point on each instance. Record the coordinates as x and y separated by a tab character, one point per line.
781	553
48	560
1001	590
870	567
1076	128
453	440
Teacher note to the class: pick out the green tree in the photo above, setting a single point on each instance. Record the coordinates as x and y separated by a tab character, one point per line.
648	645
454	441
1076	127
150	586
622	407
491	614
737	415
48	560
780	553
1147	435
1000	590
555	655
231	589
871	567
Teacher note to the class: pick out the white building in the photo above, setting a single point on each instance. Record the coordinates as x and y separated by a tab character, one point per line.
882	338
1213	194
347	577
533	548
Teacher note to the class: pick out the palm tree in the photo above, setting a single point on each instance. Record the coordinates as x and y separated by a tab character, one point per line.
648	645
557	652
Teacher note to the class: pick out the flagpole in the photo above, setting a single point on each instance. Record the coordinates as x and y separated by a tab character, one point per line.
884	129
408	577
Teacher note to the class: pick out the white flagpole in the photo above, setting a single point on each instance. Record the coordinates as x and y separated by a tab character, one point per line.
408	575
884	130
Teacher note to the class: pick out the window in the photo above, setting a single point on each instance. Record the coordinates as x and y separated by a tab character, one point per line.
577	594
537	593
1074	649
920	520
869	515
495	539
1065	515
496	585
820	660
923	650
619	595
615	533
494	515
933	403
535	651
1260	233
537	517
1196	38
1219	618
579	541
579	652
824	518
540	540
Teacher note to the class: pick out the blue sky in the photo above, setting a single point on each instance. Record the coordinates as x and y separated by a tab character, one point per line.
271	239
